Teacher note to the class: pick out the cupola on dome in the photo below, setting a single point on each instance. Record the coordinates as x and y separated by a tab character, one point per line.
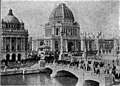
61	12
10	18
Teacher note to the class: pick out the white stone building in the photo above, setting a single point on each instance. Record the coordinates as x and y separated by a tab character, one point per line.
14	38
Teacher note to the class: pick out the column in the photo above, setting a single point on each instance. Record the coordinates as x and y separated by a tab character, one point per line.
101	50
10	44
53	31
74	45
26	44
2	46
77	47
11	56
5	43
82	45
88	46
66	43
97	45
21	44
115	46
16	43
52	45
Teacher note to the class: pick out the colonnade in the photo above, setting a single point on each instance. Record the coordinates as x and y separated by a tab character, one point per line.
14	44
87	44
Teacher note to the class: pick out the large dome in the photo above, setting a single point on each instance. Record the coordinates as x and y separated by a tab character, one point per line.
10	18
62	11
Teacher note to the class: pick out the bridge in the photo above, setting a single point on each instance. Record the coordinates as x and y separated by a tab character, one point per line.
82	75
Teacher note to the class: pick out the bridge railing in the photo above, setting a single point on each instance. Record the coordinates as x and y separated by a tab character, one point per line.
84	74
90	73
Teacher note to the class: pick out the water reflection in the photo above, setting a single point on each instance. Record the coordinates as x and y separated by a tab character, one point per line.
37	79
66	81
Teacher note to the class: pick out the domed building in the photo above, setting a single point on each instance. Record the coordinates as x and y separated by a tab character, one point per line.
62	25
14	38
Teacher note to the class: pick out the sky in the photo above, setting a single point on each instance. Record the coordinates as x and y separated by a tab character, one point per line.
92	16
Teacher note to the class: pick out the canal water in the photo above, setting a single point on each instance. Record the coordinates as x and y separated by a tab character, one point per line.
37	79
42	80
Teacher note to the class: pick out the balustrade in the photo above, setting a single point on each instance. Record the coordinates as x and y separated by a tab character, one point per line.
81	73
91	72
4	30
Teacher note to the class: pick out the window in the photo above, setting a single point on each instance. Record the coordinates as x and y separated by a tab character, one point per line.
66	31
41	43
41	49
13	40
47	43
56	45
18	47
13	48
7	47
75	32
58	21
71	32
57	31
90	45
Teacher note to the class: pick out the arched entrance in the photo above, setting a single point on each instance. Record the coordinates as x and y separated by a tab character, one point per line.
19	57
70	45
13	57
8	57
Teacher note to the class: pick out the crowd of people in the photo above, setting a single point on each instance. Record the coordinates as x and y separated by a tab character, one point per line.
96	66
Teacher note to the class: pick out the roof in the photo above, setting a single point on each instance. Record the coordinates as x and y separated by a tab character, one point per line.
62	11
10	18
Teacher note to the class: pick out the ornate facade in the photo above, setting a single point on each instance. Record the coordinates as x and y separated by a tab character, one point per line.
14	38
62	23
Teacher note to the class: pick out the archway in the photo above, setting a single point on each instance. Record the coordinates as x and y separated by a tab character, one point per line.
91	83
13	57
19	57
8	57
70	44
64	73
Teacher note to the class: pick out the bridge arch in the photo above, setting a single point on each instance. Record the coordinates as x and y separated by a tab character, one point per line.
90	83
65	73
49	70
